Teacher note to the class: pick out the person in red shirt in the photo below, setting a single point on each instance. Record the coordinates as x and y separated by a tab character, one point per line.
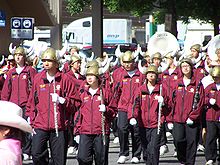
212	102
188	100
52	99
16	89
74	72
132	78
96	113
148	99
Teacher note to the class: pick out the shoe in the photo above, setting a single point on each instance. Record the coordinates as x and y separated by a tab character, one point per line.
201	148
122	159
26	157
116	140
163	149
169	135
210	162
175	154
135	160
72	151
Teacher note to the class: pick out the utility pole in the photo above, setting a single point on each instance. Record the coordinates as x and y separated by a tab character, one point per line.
97	27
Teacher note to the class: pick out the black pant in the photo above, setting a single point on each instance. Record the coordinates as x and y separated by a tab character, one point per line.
114	127
185	140
163	140
123	131
151	145
27	138
92	146
58	147
213	133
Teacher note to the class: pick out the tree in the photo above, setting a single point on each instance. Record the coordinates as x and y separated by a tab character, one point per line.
207	11
164	11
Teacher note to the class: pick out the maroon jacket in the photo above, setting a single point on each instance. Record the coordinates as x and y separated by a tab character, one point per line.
169	80
200	71
117	74
40	107
17	86
146	107
183	99
128	85
213	111
90	117
2	80
78	81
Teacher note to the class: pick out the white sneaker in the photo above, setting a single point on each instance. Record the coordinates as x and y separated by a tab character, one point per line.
169	135
122	159
201	148
116	140
135	160
210	162
163	149
72	151
26	157
175	154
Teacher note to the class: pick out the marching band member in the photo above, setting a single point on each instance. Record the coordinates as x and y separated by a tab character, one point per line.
169	76
199	64
212	93
156	60
16	89
188	100
146	109
132	78
74	72
96	100
53	97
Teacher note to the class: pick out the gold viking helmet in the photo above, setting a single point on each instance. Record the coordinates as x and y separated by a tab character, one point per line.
169	55
20	50
152	68
127	56
215	72
92	63
157	55
49	54
197	47
74	58
94	70
188	61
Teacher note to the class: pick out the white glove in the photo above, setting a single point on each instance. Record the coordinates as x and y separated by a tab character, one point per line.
57	99
76	138
212	101
102	108
33	132
170	126
133	121
159	99
189	121
29	120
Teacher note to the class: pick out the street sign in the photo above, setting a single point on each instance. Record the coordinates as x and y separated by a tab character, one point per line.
2	18
22	28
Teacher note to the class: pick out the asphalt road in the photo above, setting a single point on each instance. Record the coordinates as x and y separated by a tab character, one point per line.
167	158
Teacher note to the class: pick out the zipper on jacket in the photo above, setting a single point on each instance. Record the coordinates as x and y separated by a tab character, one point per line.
49	107
183	96
92	114
18	90
148	111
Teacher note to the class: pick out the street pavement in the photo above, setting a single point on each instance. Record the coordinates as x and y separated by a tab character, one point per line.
167	158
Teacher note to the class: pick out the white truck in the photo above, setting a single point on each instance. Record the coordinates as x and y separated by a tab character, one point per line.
114	31
193	33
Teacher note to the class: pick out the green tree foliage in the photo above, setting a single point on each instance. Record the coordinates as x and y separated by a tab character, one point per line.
205	10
